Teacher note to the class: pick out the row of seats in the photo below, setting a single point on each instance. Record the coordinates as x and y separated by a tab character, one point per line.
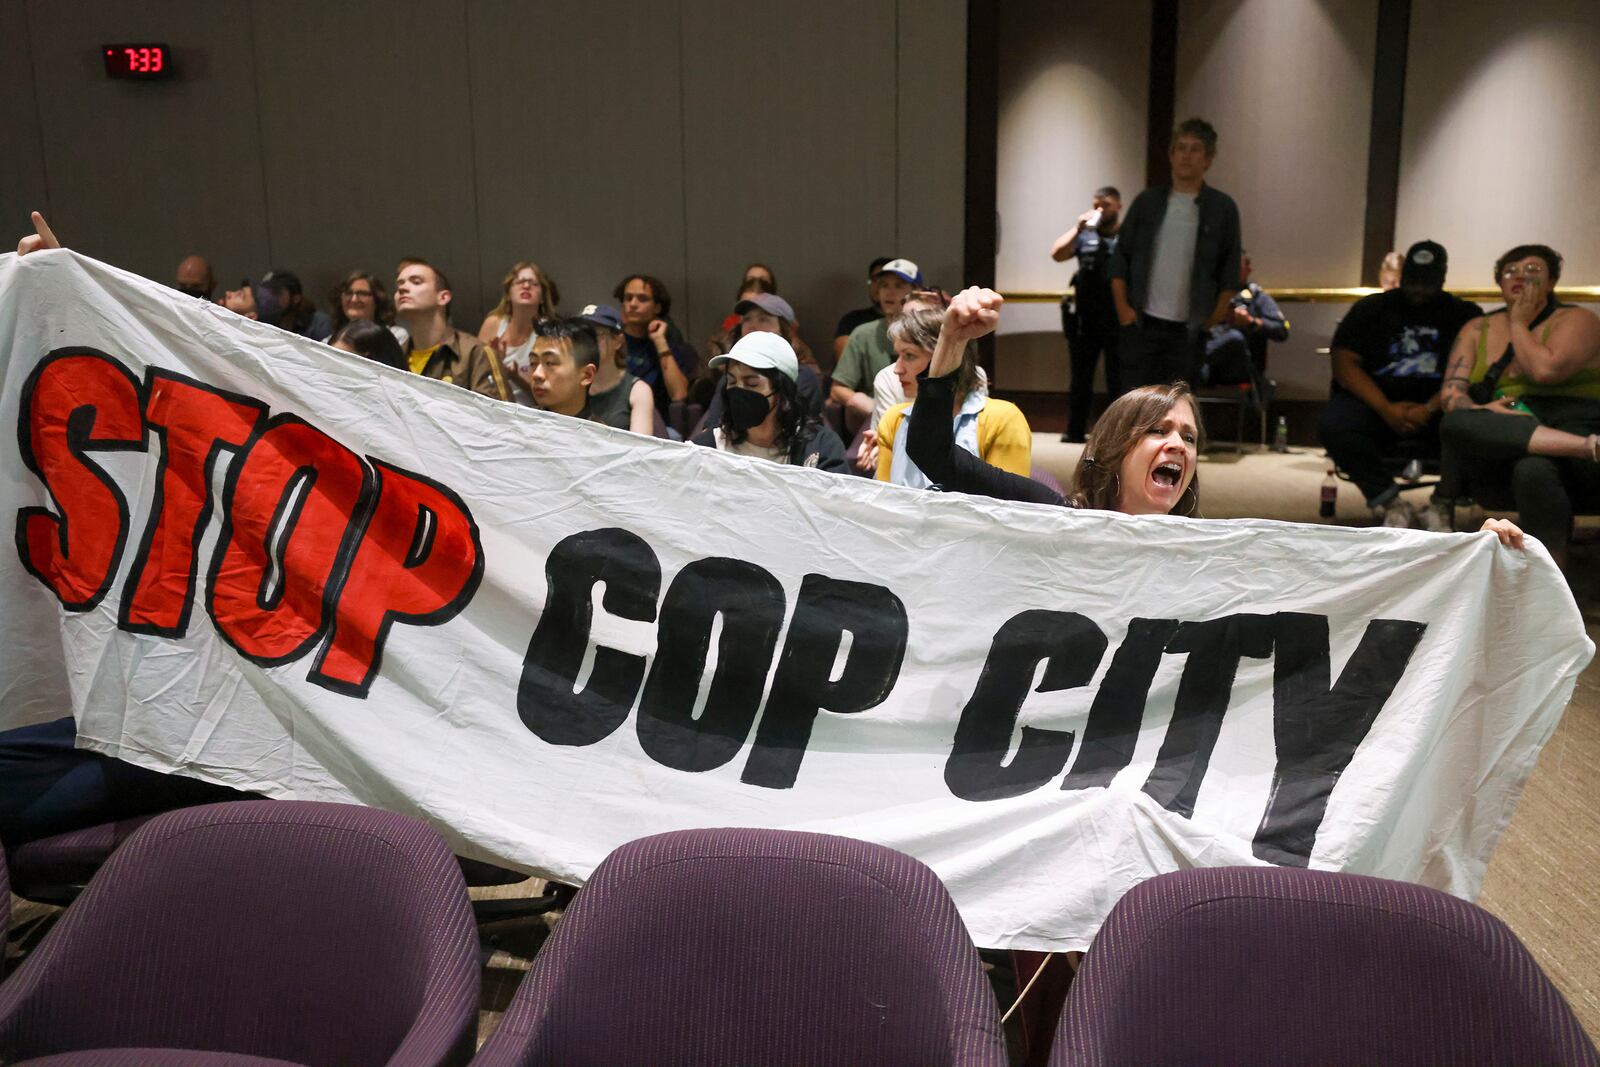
260	934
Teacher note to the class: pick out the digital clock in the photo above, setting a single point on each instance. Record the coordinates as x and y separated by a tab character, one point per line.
139	62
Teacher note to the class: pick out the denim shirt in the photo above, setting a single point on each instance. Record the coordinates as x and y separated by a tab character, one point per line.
904	472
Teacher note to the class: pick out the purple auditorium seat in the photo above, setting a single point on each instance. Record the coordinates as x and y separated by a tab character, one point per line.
754	946
54	870
257	932
1266	965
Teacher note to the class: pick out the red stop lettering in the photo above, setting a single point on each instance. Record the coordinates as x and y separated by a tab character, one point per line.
196	423
290	502
419	561
75	402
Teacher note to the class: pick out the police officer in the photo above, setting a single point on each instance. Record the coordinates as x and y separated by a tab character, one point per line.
1089	315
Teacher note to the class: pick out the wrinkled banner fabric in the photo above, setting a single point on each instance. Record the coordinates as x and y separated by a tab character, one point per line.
246	557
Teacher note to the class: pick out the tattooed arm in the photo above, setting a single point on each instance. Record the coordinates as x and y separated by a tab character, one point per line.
1458	372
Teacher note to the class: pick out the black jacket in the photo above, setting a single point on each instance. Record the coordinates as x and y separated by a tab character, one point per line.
1218	248
818	446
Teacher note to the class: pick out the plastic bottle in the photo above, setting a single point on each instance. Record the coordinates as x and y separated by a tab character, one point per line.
1093	221
1280	439
1330	493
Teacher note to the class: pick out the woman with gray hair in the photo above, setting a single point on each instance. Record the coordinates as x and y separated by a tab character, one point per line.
993	430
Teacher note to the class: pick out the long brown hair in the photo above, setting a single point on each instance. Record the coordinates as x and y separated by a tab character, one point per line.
1128	418
549	295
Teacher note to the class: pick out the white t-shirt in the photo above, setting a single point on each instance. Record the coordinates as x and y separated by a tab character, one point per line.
1172	271
518	356
745	448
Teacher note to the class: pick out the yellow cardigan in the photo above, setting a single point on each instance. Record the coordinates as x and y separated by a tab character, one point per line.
1003	437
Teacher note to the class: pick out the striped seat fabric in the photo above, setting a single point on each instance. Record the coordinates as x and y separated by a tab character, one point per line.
258	930
1267	965
754	946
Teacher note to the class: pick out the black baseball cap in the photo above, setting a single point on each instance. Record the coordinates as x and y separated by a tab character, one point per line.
1426	263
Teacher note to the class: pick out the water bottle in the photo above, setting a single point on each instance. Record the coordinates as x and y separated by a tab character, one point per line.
1280	439
1330	493
1093	221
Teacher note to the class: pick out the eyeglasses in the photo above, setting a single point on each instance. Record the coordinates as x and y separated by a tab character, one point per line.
530	282
1532	272
358	294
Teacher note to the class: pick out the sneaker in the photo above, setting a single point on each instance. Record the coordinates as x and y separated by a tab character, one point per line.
1439	518
1396	513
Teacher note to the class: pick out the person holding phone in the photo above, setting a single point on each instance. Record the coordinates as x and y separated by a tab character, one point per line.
1521	396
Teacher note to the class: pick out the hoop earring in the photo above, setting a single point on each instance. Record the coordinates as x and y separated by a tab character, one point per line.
1194	502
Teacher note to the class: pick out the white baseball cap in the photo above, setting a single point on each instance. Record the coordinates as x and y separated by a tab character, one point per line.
763	351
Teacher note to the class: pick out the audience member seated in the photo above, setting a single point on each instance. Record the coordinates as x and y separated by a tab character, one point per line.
761	413
360	296
364	337
728	330
1522	403
851	319
280	301
888	390
1236	348
1389	271
616	397
993	430
868	350
650	339
562	366
1388	362
433	347
526	295
195	278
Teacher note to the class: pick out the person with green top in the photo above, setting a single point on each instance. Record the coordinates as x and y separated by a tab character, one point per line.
868	350
1521	396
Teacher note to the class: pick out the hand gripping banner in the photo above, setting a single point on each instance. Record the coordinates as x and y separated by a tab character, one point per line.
246	557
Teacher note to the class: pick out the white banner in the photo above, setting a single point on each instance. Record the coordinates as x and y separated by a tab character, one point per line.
243	556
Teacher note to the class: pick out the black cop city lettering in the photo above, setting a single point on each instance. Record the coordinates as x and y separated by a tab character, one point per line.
323	551
1318	723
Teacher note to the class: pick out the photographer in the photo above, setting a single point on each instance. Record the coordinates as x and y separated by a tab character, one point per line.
1089	314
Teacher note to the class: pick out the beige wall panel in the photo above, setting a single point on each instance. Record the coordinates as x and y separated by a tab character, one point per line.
1074	88
1288	85
366	130
1502	136
931	140
141	174
578	108
22	179
789	138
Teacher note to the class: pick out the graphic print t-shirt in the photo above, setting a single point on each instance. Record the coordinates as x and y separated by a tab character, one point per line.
1404	347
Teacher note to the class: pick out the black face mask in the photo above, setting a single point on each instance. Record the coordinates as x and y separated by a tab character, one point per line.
744	408
191	290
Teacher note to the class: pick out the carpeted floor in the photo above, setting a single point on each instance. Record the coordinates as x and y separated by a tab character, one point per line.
1544	879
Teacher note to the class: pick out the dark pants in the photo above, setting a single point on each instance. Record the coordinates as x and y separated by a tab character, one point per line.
1086	342
48	787
1357	439
1485	455
1157	352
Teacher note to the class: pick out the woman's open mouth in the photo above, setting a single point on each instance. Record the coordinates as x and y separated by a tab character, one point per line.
1167	474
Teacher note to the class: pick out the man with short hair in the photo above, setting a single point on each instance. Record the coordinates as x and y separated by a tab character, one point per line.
434	348
655	356
1089	314
195	277
562	365
1176	264
868	350
1389	355
851	319
281	301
